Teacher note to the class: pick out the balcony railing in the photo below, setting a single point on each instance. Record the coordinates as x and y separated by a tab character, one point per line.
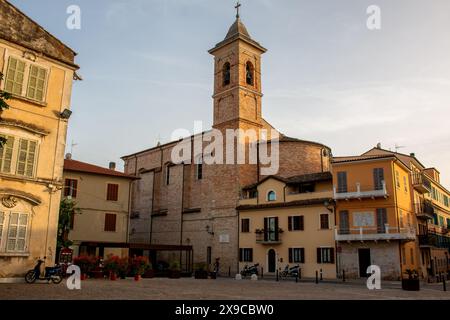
374	233
264	236
421	183
360	193
424	210
434	240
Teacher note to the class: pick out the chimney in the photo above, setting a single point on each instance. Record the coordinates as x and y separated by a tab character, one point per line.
412	154
112	166
379	145
68	156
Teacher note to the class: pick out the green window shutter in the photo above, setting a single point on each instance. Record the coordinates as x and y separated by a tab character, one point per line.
2	222
36	83
15	76
17	232
6	154
26	159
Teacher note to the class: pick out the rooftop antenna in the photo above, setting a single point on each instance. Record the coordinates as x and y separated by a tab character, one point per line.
73	144
397	147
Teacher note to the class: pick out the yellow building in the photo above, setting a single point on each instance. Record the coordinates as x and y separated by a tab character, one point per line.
38	71
103	196
375	218
431	209
289	221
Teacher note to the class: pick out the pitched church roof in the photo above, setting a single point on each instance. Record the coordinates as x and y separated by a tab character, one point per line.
238	31
18	28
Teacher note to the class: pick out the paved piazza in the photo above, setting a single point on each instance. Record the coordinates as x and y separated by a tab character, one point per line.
220	289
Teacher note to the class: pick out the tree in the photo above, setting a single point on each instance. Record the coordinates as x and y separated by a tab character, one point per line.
68	208
3	106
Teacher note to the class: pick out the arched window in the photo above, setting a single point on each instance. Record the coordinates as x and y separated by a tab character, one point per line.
226	74
271	196
249	74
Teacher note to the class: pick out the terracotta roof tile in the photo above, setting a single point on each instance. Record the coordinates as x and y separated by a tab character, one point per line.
78	166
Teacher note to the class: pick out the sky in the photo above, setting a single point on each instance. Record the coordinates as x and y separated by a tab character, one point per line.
326	77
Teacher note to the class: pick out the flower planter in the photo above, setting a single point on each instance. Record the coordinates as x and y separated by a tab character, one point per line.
83	276
137	277
411	284
213	275
97	274
201	274
112	276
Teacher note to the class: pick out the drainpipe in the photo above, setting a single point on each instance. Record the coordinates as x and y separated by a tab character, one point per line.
397	216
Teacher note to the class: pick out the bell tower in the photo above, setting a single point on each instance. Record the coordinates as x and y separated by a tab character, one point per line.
237	79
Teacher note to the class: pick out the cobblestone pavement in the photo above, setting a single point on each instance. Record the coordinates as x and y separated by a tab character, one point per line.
220	289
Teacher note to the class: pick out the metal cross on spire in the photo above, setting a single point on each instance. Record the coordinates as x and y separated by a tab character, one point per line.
238	5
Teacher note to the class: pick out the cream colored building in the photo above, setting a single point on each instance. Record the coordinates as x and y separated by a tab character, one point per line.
289	221
103	195
38	71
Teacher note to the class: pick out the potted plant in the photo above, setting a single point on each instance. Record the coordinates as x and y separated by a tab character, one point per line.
123	267
112	266
175	270
200	271
149	272
412	283
86	265
139	265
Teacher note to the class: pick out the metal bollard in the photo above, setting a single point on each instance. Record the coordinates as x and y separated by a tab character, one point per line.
343	275
321	275
296	277
262	272
229	271
277	274
317	277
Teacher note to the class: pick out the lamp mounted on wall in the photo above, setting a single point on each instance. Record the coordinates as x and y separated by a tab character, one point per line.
65	114
329	206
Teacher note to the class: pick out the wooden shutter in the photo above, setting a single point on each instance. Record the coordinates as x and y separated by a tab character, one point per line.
324	221
266	229
74	188
291	254
331	255
36	83
15	76
17	231
277	236
319	255
381	220
6	154
344	221
302	255
113	192
26	159
290	223
342	181
301	221
110	222
250	254
378	178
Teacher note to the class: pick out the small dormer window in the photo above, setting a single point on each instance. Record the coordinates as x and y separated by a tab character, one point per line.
226	74
271	196
249	74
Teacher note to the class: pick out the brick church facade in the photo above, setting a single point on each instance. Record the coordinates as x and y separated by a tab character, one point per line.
192	204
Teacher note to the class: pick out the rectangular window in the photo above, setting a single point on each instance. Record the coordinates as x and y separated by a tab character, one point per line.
6	153
378	178
15	76
168	175
246	255
36	83
112	193
2	223
199	170
296	255
26	158
405	184
70	188
110	222
381	220
342	182
324	221
245	225
344	222
17	232
446	200
397	178
296	223
325	255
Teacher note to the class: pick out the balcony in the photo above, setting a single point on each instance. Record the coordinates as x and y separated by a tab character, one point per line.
361	193
421	183
424	210
375	234
268	236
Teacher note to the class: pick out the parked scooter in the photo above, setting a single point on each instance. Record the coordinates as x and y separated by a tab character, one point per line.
248	271
290	271
53	274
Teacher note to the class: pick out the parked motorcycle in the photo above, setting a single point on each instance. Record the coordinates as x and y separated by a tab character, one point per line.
290	271
248	271
53	274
